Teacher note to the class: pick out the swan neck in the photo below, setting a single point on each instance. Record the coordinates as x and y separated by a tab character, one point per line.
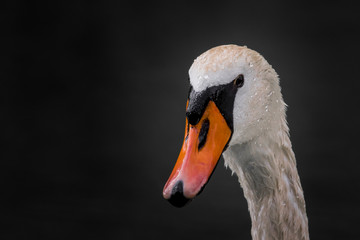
266	169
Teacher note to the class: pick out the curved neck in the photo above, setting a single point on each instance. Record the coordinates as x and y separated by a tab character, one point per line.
267	172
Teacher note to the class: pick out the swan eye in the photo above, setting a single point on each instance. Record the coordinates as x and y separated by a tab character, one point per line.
239	81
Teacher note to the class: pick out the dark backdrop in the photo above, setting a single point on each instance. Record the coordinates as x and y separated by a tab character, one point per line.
92	110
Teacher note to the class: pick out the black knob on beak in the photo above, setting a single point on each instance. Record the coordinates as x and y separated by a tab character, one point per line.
197	104
193	117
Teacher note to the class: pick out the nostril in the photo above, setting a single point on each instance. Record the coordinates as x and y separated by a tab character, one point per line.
177	195
203	133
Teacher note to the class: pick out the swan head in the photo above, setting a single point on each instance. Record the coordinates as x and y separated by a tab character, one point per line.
234	97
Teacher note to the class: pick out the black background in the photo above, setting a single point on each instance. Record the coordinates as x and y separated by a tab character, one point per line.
92	110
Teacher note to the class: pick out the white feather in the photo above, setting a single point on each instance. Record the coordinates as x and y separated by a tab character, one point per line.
260	151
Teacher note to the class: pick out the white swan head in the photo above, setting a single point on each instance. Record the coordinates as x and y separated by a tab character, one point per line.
258	103
234	97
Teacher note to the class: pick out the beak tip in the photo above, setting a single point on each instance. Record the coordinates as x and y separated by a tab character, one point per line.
177	197
179	200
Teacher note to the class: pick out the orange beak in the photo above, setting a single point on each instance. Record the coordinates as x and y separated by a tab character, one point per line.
201	150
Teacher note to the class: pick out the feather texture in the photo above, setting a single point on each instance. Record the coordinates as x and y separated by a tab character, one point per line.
260	151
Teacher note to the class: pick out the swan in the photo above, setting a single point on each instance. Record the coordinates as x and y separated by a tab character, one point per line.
235	108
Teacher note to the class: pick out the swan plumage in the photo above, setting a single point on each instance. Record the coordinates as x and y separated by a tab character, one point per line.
259	150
